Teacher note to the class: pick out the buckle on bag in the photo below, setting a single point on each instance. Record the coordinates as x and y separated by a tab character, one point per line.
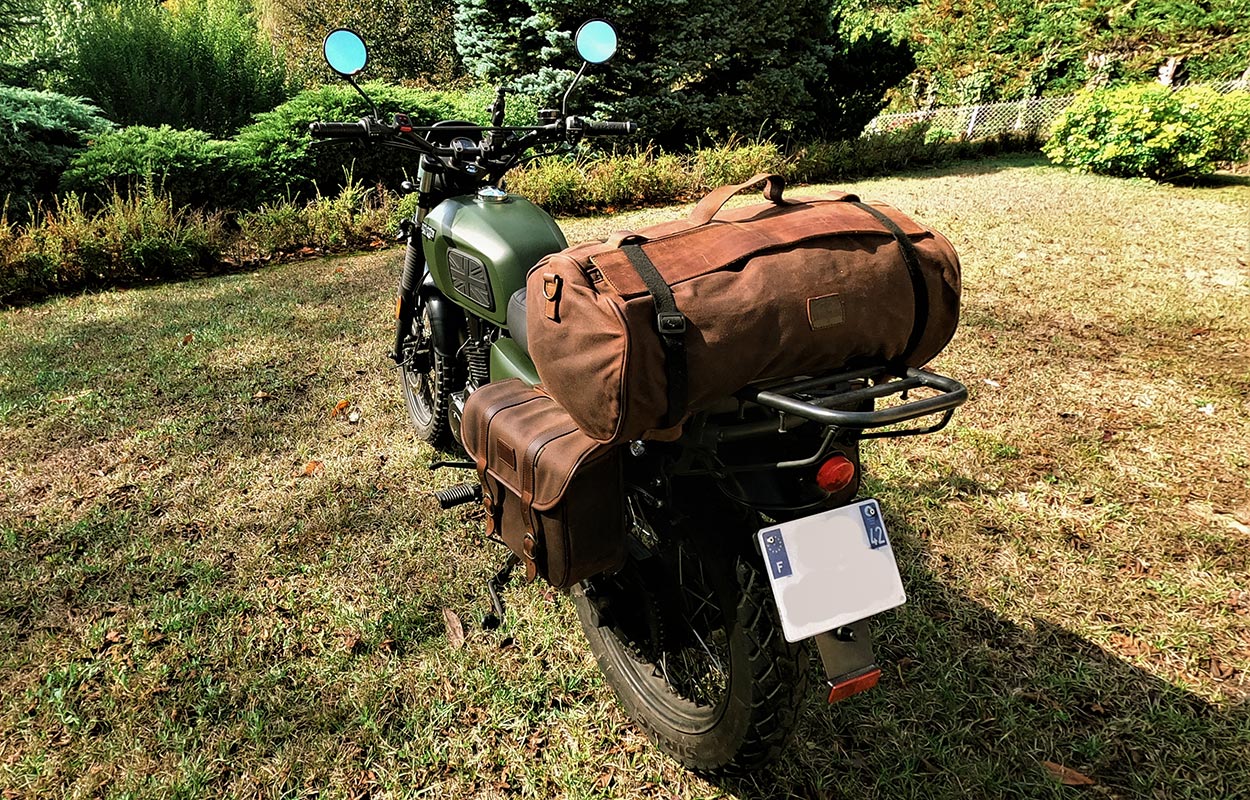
671	322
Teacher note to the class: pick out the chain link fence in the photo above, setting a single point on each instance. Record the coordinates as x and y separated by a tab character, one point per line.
1032	115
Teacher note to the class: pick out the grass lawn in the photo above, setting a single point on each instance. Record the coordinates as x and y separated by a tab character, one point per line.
212	584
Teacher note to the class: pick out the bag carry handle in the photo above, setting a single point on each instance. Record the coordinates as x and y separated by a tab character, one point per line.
710	206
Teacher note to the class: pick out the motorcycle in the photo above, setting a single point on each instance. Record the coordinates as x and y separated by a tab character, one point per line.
703	650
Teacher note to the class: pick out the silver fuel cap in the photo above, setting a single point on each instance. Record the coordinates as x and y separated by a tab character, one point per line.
491	194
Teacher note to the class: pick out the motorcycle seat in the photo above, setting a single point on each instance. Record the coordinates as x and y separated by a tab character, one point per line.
516	318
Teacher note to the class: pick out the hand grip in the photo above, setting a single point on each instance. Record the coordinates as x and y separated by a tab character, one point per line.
338	130
598	128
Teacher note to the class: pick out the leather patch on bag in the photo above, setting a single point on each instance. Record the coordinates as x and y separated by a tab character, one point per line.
507	455
825	312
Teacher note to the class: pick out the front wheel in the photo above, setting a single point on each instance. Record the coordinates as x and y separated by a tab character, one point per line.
689	640
428	381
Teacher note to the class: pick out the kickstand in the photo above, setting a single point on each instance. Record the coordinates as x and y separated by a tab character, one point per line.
493	587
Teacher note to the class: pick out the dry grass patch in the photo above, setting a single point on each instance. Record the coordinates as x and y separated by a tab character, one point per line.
212	585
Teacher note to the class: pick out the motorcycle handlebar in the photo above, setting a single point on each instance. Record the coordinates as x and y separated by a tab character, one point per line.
338	130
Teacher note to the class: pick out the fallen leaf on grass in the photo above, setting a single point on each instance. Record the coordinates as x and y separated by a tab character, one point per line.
455	628
1138	566
1066	775
351	642
313	467
1128	646
1239	601
186	340
111	638
262	395
1219	670
338	409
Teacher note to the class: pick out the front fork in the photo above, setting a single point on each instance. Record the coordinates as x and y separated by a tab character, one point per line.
408	303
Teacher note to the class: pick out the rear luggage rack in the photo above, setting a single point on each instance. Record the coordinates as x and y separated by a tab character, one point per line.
826	400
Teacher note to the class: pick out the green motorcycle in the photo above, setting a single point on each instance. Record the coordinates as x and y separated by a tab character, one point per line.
690	633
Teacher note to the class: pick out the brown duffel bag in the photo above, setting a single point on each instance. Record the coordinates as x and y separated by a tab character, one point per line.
632	334
552	494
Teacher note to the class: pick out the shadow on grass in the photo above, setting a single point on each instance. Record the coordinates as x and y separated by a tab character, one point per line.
971	704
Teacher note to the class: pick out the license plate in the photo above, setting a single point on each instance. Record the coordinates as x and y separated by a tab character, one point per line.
831	569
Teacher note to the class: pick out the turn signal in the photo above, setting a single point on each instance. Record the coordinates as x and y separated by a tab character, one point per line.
835	474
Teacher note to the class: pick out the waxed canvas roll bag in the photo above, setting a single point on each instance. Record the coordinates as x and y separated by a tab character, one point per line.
633	334
551	493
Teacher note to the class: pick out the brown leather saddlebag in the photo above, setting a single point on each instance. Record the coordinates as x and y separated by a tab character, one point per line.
632	334
552	494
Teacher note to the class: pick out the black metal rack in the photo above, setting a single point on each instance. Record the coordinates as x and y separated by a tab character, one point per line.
830	400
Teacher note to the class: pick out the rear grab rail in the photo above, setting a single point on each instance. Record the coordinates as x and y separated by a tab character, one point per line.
811	399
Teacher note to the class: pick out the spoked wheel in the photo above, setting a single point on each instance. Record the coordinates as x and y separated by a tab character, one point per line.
428	381
688	638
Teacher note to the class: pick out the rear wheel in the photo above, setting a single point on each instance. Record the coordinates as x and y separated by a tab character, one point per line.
687	636
428	381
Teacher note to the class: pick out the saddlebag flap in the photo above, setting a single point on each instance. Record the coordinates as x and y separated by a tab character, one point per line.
632	334
551	493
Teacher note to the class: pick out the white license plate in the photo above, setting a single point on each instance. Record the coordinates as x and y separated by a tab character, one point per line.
831	569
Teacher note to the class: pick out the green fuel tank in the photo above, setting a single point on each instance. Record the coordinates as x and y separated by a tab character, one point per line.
480	248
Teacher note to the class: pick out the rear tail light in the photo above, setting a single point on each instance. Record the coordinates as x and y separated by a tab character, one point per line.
836	474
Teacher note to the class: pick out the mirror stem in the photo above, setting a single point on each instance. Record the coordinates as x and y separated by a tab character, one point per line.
564	104
361	92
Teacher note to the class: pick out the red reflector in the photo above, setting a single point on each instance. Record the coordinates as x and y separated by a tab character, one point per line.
860	683
835	474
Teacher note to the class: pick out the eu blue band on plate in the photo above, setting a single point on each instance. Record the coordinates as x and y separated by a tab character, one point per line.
874	527
775	553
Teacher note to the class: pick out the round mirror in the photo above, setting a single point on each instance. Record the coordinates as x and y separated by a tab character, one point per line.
345	51
596	41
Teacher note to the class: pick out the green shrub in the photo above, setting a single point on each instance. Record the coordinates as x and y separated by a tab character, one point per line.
191	64
735	161
644	176
279	143
1151	131
408	39
557	183
189	166
131	239
355	217
39	133
14	15
686	69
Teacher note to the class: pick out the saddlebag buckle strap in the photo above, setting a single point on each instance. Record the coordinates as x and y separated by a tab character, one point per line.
671	325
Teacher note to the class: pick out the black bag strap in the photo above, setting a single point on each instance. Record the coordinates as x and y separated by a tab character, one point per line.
920	290
671	325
